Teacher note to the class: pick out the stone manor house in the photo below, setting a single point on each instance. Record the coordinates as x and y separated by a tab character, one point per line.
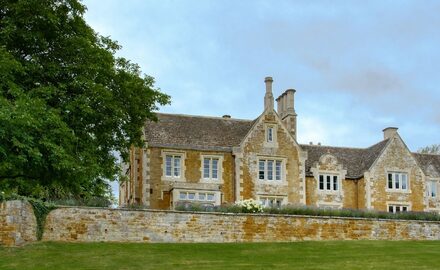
218	160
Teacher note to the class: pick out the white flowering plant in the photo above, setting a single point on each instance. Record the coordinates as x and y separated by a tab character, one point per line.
250	206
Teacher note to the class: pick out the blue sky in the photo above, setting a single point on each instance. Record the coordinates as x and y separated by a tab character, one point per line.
357	66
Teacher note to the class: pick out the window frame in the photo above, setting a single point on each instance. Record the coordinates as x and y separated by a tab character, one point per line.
276	163
174	167
430	182
217	196
266	198
182	155
329	184
274	130
219	178
269	134
396	181
396	206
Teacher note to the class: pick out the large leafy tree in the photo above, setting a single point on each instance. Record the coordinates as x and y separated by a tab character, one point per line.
67	103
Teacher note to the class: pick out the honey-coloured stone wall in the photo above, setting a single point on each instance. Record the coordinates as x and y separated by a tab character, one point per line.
113	225
396	158
160	197
17	223
254	148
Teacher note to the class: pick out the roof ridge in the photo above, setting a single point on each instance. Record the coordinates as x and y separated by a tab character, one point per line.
205	116
340	147
376	144
346	147
427	154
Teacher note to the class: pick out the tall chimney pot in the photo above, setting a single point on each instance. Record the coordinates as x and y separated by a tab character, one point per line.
268	97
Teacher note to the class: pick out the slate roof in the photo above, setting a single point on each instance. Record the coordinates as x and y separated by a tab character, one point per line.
425	160
196	132
355	160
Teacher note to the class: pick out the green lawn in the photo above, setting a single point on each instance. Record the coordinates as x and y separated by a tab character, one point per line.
297	255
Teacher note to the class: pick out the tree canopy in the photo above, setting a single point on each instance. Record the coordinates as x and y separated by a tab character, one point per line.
67	102
430	149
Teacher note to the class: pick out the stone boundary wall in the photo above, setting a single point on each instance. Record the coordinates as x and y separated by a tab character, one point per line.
18	224
108	225
81	224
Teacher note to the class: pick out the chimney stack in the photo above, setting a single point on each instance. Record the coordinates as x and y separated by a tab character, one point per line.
268	97
389	132
286	110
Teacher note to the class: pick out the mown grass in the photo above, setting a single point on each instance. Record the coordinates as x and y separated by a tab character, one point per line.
297	255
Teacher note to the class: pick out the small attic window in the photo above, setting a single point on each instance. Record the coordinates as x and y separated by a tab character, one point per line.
270	138
269	134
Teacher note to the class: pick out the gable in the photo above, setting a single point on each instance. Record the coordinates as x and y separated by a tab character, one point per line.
395	155
355	160
268	117
429	163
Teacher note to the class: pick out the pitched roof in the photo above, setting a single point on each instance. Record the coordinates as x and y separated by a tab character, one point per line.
426	160
221	134
196	132
355	160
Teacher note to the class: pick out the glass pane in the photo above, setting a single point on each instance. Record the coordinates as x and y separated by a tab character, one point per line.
176	166
214	168
396	181
328	182
202	196
206	167
191	196
182	195
390	209
168	166
210	197
335	182
404	209
404	181
321	182
270	170
433	189
278	170
390	180
278	203
397	209
261	170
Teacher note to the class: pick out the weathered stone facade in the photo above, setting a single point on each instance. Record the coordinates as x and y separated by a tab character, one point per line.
254	148
161	189
395	158
17	223
93	224
261	159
